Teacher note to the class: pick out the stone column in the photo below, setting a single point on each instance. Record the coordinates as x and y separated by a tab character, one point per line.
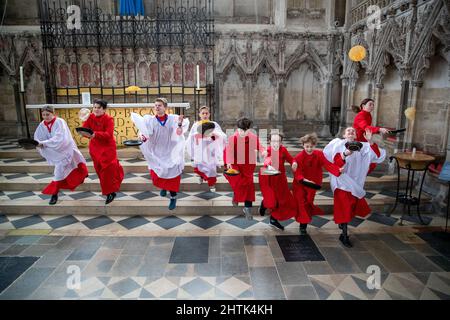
280	14
377	97
325	132
250	111
21	130
350	98
280	109
330	17
344	103
218	93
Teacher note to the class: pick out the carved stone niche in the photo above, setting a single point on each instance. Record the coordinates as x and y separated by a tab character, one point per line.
315	13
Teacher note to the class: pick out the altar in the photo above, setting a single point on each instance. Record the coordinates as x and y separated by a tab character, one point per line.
124	128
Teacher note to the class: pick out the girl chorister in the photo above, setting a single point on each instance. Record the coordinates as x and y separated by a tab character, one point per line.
363	122
205	145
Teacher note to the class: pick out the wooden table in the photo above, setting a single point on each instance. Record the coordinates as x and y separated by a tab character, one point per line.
419	162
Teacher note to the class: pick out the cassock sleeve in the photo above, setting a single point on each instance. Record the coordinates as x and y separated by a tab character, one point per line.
108	133
287	156
298	175
57	141
377	155
330	167
87	123
185	125
191	140
364	123
338	160
228	151
268	159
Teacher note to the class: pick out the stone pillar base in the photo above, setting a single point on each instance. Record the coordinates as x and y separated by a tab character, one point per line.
325	132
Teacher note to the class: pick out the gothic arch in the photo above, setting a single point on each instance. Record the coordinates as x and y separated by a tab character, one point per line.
306	53
233	63
233	58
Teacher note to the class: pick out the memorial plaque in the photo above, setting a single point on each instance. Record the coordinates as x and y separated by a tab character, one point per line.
299	248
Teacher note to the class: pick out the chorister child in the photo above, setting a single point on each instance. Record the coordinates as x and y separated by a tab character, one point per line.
205	145
240	157
277	198
163	148
310	163
348	188
363	122
57	146
103	151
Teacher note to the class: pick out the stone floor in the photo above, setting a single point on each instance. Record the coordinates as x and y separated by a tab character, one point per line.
186	261
202	254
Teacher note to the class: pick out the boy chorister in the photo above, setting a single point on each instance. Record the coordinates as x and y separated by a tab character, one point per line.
103	151
309	169
163	148
348	188
277	198
57	146
240	155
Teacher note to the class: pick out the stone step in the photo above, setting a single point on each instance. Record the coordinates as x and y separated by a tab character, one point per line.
151	204
130	165
141	182
122	153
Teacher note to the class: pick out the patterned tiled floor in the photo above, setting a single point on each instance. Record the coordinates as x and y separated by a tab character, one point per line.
148	195
412	266
208	256
194	224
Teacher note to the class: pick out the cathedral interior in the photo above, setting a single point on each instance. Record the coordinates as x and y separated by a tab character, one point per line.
285	65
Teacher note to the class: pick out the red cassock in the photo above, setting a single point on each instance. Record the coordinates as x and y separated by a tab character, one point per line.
102	148
240	152
172	184
346	205
211	180
73	180
309	167
275	189
363	121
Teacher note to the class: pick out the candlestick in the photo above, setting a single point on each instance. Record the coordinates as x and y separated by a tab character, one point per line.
22	87
198	77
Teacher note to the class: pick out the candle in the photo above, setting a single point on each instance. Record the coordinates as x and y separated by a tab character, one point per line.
198	77
414	152
22	87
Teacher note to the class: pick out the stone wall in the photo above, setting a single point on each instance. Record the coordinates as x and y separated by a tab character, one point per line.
407	66
19	48
432	115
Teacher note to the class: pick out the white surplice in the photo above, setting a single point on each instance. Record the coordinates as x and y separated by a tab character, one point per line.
206	153
356	166
59	148
164	149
